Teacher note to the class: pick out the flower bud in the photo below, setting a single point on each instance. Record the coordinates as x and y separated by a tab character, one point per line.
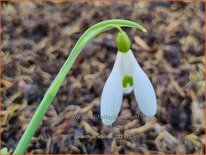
123	42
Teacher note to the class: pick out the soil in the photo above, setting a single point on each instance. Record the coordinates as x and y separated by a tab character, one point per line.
37	39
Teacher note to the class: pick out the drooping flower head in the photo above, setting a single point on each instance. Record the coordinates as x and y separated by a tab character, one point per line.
126	76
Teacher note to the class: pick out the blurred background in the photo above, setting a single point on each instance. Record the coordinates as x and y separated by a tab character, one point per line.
38	37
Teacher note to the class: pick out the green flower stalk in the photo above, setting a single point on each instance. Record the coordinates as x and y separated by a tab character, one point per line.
90	34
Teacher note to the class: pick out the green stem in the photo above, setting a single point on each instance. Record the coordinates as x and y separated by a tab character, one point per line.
41	110
90	34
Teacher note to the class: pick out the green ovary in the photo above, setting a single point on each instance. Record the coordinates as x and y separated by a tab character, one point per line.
127	80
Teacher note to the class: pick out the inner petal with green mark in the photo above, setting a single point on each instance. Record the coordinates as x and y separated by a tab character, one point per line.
127	80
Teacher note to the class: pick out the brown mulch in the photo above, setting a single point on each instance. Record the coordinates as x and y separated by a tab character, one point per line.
38	37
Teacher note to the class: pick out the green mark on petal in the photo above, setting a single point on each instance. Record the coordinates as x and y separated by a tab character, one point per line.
4	151
127	80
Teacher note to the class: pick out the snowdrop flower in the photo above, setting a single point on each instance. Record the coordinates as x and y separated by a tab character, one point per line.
126	76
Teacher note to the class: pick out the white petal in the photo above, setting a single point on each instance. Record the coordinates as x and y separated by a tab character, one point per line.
144	91
126	63
112	95
128	89
126	68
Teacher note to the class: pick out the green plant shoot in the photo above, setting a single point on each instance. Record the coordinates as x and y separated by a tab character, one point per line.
90	34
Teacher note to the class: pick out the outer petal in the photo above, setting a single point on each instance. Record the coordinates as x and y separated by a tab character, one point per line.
144	91
112	95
